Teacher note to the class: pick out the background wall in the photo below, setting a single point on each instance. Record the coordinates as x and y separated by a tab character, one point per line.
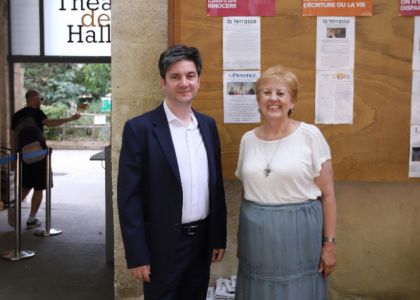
378	246
376	146
378	206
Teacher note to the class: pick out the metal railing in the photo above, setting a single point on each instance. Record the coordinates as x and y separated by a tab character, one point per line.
80	132
17	253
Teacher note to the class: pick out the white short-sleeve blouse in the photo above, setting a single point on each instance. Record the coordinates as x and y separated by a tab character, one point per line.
296	162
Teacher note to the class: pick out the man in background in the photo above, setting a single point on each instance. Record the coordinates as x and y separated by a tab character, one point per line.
28	128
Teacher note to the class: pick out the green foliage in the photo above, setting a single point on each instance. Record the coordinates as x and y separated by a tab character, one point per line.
97	79
61	86
55	111
61	110
94	107
65	83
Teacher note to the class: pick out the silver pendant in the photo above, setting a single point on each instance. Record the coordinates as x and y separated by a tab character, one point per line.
267	171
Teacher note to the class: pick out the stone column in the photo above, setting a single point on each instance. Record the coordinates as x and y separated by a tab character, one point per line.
139	35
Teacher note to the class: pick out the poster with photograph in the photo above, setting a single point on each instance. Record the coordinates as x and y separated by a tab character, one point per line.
335	43
337	8
226	8
334	97
239	97
414	165
241	43
409	7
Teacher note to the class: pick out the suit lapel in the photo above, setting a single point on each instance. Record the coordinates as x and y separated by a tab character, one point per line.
208	143
163	135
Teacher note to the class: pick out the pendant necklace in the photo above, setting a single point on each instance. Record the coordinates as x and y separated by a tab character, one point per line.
267	169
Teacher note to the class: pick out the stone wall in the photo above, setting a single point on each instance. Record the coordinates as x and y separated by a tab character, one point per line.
139	35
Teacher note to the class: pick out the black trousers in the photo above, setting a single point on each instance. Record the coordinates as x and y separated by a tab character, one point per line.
188	276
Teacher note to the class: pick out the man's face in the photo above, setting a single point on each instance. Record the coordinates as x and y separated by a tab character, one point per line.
35	101
181	83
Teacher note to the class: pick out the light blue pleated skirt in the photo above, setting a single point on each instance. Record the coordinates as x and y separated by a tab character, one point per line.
280	249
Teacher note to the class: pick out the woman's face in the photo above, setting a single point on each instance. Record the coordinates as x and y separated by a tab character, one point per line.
275	98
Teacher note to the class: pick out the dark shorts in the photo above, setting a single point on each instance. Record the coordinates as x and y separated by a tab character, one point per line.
35	175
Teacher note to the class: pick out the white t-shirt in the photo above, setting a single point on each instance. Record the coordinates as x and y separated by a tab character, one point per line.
295	161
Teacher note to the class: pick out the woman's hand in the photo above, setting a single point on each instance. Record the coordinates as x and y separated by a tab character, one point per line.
327	263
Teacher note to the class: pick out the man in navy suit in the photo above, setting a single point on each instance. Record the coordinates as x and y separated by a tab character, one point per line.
171	197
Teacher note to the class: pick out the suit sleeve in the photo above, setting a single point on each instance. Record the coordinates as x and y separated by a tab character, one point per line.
129	199
219	239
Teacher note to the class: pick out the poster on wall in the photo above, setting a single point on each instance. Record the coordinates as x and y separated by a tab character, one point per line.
335	43
225	8
416	45
334	97
415	98
409	7
414	165
239	97
75	28
241	43
337	8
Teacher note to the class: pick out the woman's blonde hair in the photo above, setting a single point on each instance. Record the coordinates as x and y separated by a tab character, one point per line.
278	71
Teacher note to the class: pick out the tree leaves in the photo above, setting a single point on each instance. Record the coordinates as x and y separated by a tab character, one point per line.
65	83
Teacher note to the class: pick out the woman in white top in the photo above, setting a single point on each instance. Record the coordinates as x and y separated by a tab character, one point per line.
288	215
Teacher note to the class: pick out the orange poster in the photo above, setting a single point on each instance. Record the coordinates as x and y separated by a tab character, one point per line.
349	8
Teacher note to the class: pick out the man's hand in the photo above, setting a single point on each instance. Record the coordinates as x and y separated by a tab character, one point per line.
217	255
141	273
75	117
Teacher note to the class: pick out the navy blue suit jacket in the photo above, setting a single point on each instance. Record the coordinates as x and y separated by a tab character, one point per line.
150	192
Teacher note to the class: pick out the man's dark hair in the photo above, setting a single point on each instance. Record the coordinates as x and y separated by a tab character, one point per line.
177	53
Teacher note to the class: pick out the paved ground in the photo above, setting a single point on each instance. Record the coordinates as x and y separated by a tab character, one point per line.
71	265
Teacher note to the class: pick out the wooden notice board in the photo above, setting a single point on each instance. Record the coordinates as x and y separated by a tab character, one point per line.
376	146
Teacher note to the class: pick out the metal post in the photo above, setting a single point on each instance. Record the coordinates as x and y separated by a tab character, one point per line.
63	132
17	253
48	231
109	225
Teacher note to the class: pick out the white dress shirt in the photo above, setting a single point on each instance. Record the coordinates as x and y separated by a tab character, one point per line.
192	161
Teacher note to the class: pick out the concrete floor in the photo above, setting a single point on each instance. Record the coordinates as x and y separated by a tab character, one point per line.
71	265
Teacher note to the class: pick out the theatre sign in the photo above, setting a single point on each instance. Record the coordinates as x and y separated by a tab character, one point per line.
61	27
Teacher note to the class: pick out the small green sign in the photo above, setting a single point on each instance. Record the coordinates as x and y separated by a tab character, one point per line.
105	104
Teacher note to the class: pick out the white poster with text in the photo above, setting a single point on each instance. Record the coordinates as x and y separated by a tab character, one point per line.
334	97
241	43
77	28
415	98
239	97
335	43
